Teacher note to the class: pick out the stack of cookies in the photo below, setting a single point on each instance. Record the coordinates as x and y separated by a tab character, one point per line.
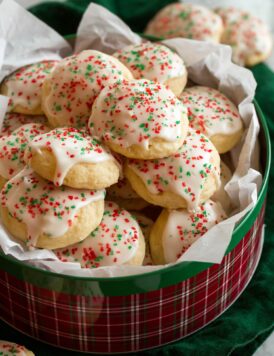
124	123
249	37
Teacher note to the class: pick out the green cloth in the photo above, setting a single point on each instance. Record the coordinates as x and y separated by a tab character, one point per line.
136	13
245	325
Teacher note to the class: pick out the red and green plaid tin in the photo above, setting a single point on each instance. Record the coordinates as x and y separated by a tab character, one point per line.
134	313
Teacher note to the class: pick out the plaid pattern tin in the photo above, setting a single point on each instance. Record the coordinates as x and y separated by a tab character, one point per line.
128	323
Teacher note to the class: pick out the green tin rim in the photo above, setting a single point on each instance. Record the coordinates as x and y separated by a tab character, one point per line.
121	286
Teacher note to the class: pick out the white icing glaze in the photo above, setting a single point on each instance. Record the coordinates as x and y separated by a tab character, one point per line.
183	228
183	173
210	111
114	242
69	146
132	113
186	20
76	82
8	348
44	208
24	85
12	121
151	61
247	34
12	148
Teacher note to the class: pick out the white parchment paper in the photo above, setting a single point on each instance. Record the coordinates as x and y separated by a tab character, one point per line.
28	40
207	64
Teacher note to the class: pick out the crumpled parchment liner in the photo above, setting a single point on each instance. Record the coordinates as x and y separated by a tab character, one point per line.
207	64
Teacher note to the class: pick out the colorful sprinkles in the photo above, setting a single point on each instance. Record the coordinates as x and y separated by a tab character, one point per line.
12	121
151	61
247	34
210	111
183	173
114	242
12	148
186	20
25	85
76	82
44	208
183	228
129	113
69	146
11	349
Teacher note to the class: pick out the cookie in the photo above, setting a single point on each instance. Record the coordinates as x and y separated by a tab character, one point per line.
12	148
123	194
186	20
69	92
118	240
139	119
24	87
214	115
43	215
249	37
8	348
155	62
71	157
185	179
221	195
176	230
146	225
12	121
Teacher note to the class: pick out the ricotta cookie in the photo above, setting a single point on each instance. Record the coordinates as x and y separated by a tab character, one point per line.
24	87
221	195
249	37
118	240
71	157
176	230
123	194
186	20
155	62
12	121
139	119
70	90
35	211
185	179
146	225
12	149
8	348
214	115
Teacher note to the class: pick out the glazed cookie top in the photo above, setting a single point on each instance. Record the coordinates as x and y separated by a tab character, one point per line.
69	146
183	228
24	86
186	20
44	208
122	189
13	121
8	348
247	34
183	173
210	111
12	148
72	87
114	242
151	61
133	113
